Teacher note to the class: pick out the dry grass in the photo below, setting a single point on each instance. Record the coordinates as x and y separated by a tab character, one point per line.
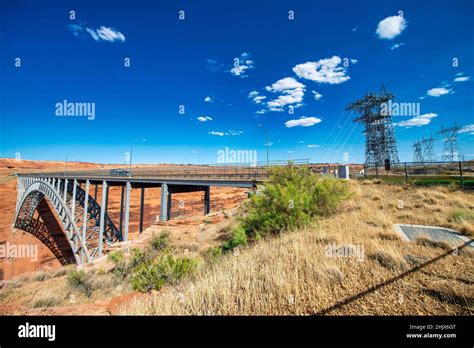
292	274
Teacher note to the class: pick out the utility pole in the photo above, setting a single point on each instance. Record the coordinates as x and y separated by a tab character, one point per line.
131	154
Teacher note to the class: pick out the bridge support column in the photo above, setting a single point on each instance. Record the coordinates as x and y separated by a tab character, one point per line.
165	209
142	207
127	210
107	199
65	191
207	200
84	225
103	211
121	210
73	212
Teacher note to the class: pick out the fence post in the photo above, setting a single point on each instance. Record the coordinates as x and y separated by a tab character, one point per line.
460	175
406	174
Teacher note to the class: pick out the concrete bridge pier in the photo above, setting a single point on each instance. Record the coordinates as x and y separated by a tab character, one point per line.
167	191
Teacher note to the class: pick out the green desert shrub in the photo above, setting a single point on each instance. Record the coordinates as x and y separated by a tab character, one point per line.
213	254
78	280
239	237
292	198
166	269
160	241
121	266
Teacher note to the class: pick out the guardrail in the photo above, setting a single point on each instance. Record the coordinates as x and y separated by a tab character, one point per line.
250	171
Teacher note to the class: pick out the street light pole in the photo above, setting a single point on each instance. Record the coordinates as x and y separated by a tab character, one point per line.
266	139
130	162
131	154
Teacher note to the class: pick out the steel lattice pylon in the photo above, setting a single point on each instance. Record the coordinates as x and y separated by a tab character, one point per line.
428	153
380	142
417	153
451	150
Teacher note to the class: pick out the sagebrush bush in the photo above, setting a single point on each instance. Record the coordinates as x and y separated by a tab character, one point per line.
50	300
78	280
160	241
121	267
291	199
40	276
166	269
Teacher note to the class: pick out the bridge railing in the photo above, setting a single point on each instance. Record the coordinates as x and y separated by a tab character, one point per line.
229	171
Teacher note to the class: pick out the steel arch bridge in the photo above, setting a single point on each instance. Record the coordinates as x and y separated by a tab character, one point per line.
86	227
83	225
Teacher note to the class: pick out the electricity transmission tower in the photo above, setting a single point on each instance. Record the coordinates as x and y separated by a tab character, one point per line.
451	150
417	154
428	154
380	143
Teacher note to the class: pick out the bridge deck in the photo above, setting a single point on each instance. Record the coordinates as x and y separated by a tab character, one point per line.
213	176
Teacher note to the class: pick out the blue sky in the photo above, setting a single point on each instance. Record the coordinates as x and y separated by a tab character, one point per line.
232	66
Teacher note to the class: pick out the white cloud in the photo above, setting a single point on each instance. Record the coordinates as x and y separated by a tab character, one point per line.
233	133
397	45
230	132
204	118
106	34
303	122
462	79
467	129
439	91
313	145
354	61
391	27
220	134
327	70
284	84
243	64
256	97
292	92
110	34
102	34
208	99
317	95
417	121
